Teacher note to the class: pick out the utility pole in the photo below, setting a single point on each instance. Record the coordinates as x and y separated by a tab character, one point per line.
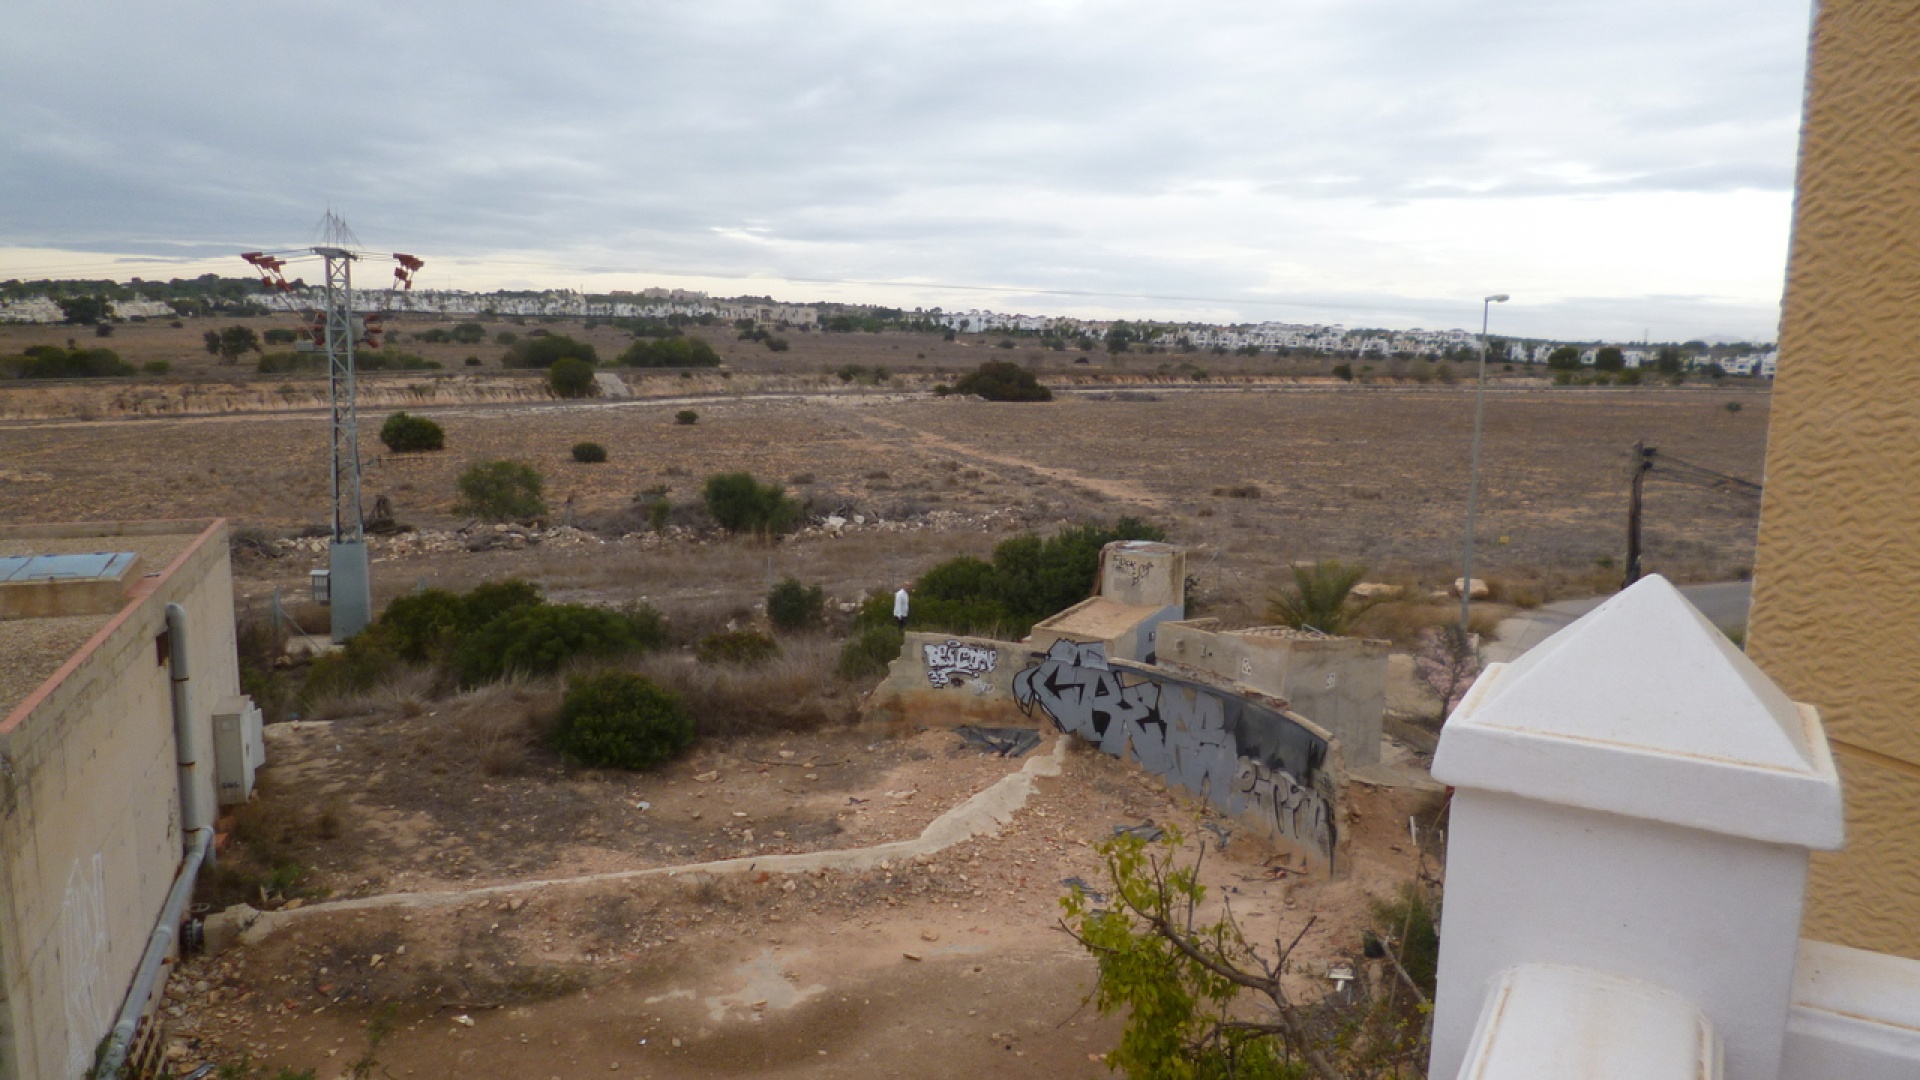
337	329
1642	462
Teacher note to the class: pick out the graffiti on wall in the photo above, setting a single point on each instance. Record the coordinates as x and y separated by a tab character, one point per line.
1134	570
951	662
83	956
1246	760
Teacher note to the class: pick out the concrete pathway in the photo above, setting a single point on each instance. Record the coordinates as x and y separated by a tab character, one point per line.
1724	603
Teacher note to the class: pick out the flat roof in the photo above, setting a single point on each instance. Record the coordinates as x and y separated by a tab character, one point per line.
35	648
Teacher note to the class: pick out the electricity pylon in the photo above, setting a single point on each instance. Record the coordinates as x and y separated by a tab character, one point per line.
333	326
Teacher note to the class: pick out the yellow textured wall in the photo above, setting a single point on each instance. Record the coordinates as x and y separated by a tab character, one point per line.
1836	616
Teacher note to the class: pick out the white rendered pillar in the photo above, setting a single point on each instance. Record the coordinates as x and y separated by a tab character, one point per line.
1634	797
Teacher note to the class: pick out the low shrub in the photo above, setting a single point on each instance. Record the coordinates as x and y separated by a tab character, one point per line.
156	367
406	434
792	605
868	652
686	416
53	362
589	453
742	504
502	491
542	351
539	640
743	648
674	352
1003	380
621	721
1321	598
571	377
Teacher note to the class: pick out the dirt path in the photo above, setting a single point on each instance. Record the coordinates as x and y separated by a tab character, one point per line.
893	432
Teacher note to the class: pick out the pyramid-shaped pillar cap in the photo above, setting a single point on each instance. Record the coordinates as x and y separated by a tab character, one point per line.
1644	708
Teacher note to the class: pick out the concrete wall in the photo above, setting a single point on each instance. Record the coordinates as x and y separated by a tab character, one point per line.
1339	683
948	679
89	821
1836	607
1237	749
1141	573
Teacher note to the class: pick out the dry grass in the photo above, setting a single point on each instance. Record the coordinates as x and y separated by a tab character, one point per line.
795	691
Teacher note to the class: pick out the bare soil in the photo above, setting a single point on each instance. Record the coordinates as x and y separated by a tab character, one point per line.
948	965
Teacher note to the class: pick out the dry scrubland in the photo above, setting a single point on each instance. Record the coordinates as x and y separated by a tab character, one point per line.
1255	477
418	789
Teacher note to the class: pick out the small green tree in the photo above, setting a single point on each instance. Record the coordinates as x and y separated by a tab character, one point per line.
793	605
589	453
406	434
502	491
621	721
469	333
742	504
1321	598
1609	358
571	377
231	343
1564	358
85	310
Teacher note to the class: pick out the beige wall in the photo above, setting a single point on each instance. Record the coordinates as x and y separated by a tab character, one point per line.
89	824
1339	683
1836	615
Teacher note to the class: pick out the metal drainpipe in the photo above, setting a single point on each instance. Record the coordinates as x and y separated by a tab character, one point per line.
186	744
197	834
159	945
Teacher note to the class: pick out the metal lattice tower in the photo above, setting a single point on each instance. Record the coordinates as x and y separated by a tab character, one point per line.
334	327
342	395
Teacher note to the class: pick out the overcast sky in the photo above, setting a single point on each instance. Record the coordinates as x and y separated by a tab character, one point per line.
1622	167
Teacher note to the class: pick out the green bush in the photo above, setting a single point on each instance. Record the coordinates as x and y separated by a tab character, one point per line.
571	377
156	367
792	605
621	721
589	453
686	416
674	352
420	625
744	648
542	351
538	640
1343	372
1321	598
502	491
484	603
354	668
868	652
1003	380
405	434
53	362
742	504
1029	579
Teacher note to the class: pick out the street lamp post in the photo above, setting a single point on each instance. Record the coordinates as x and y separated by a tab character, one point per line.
1473	474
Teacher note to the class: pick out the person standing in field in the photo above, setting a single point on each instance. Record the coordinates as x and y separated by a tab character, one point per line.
900	607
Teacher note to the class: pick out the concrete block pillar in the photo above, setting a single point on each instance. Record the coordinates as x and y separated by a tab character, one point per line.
1141	573
1636	798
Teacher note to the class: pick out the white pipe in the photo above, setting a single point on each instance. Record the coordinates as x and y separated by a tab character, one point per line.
159	945
186	743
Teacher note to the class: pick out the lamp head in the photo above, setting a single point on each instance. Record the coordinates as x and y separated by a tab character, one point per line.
1498	299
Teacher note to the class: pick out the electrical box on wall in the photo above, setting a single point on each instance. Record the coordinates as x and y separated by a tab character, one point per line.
239	749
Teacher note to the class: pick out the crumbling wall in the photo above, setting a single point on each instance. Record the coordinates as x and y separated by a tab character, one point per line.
1236	748
950	679
1339	683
